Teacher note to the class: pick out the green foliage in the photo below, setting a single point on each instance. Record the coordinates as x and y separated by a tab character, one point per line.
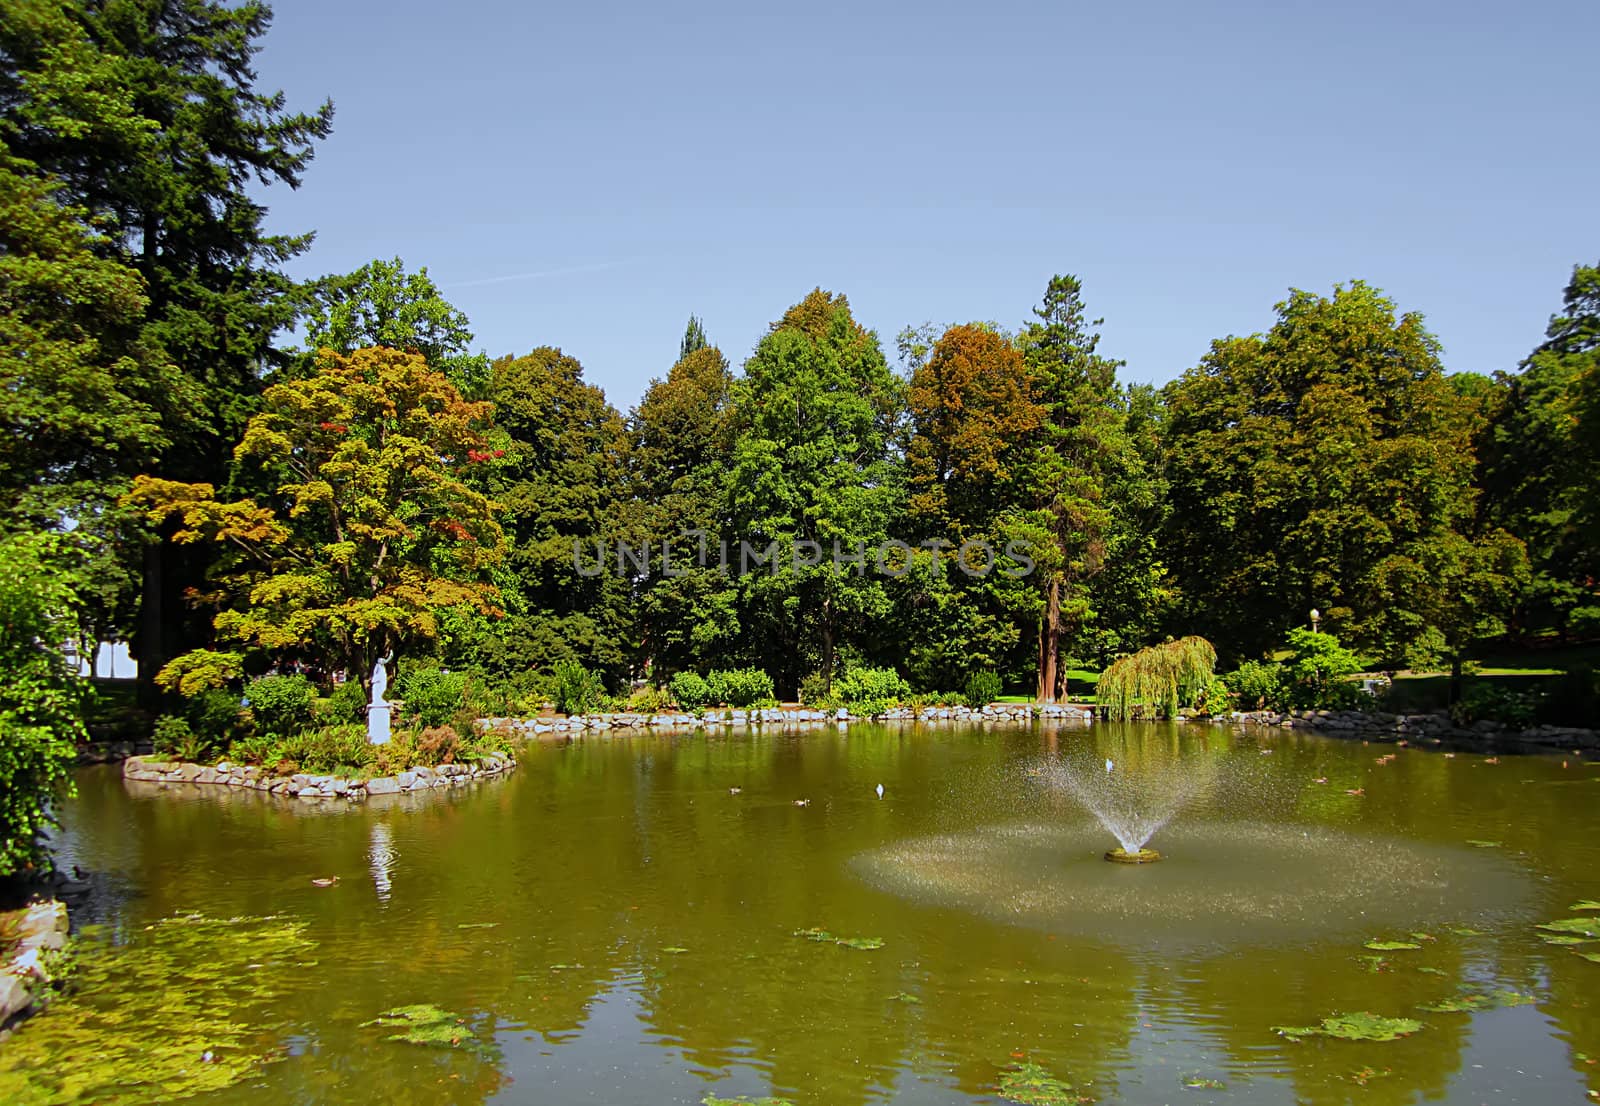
816	690
370	531
1158	678
380	304
690	691
1258	685
823	937
1316	669
648	700
280	705
1510	706
430	696
327	750
426	1024
346	704
40	699
199	671
812	470
1328	463
870	690
983	688
573	688
172	737
1214	698
740	687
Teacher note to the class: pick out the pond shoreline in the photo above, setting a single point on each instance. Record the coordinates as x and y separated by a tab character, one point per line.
313	786
1437	726
27	936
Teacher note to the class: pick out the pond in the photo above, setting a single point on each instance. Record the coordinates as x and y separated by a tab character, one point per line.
655	920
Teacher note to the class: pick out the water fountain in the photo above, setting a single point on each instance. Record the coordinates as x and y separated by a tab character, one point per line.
1136	793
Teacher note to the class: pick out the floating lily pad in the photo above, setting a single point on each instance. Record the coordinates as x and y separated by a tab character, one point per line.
1468	1002
908	999
1485	844
1466	931
1360	1026
1565	939
1032	1085
1586	904
1392	946
822	936
1203	1083
1594	957
1431	970
713	1100
1588	927
1423	937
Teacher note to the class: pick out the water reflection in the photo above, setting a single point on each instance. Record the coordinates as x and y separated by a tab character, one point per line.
627	933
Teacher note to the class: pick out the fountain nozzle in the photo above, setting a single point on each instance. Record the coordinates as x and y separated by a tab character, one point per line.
1138	856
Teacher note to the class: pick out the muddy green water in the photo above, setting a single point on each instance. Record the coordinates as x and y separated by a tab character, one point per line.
613	924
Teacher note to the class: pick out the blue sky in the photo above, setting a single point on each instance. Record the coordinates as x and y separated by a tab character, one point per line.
586	175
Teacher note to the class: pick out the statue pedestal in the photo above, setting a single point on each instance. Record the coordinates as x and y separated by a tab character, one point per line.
378	724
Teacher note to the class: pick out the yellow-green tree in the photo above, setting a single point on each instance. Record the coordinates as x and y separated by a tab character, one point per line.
367	530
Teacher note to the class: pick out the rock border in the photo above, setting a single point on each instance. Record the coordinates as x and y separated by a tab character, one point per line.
784	717
40	927
305	785
1436	726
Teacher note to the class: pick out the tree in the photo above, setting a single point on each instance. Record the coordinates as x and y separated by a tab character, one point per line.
562	483
173	193
694	338
40	713
380	304
1307	464
1540	465
816	415
370	531
1081	444
681	437
1159	677
972	415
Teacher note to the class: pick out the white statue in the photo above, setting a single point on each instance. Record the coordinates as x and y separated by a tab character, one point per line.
378	709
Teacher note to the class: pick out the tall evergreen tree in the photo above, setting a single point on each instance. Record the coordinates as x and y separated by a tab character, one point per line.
173	196
1081	445
682	434
694	338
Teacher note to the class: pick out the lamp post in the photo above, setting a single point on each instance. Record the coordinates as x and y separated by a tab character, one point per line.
1316	617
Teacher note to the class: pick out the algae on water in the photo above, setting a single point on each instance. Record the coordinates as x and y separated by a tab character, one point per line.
822	936
1360	1026
1032	1085
1473	1001
426	1024
161	1017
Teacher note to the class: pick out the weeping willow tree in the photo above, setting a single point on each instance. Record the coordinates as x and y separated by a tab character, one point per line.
1160	676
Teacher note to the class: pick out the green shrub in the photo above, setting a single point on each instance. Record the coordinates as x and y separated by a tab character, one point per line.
983	688
648	700
815	692
329	750
573	688
41	717
281	705
217	717
1215	698
741	687
1316	671
429	696
173	738
690	691
870	690
1486	702
346	705
1258	685
254	749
